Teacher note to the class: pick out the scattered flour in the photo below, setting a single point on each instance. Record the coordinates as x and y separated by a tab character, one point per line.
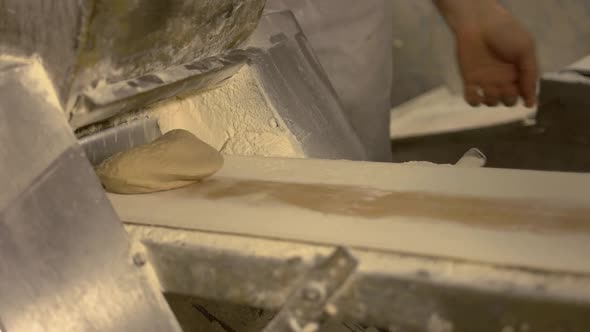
234	118
34	76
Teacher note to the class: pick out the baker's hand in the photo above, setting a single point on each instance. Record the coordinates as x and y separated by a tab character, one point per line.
496	54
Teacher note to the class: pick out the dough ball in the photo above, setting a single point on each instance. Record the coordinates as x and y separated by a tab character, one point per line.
174	160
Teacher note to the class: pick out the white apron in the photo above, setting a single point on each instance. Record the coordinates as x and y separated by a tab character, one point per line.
353	41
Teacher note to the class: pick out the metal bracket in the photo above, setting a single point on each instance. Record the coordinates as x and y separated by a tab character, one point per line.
305	308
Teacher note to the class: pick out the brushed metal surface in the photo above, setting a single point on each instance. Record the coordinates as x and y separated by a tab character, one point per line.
297	87
83	43
305	308
65	262
105	143
388	290
25	150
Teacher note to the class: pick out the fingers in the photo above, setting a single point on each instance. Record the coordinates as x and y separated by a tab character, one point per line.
528	75
509	95
491	95
505	84
473	95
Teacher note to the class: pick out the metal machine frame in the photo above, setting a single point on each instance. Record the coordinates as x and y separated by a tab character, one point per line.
66	263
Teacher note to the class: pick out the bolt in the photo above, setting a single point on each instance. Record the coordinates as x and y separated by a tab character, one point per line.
311	294
331	309
273	123
314	292
139	259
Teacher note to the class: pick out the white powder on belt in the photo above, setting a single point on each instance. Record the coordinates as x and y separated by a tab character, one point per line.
234	118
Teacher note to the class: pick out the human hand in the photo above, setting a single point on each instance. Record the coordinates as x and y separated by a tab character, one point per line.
497	59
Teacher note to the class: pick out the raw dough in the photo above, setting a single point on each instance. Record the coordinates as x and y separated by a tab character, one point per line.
174	160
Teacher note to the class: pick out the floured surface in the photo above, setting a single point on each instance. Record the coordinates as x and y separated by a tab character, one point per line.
548	232
493	183
582	64
234	118
439	111
534	216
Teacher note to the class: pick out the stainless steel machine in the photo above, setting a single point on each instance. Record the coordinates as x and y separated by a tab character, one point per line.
401	248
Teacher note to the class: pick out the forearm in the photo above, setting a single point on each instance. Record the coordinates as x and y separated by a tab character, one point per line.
460	13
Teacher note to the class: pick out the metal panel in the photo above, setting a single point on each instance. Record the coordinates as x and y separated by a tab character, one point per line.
296	86
51	29
107	142
84	42
25	150
388	290
65	263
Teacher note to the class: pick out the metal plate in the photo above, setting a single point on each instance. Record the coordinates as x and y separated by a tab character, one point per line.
85	42
297	88
388	290
65	262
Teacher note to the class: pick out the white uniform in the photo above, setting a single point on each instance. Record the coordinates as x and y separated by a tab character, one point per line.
353	41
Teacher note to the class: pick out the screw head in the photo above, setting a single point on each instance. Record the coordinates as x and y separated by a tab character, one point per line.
139	259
